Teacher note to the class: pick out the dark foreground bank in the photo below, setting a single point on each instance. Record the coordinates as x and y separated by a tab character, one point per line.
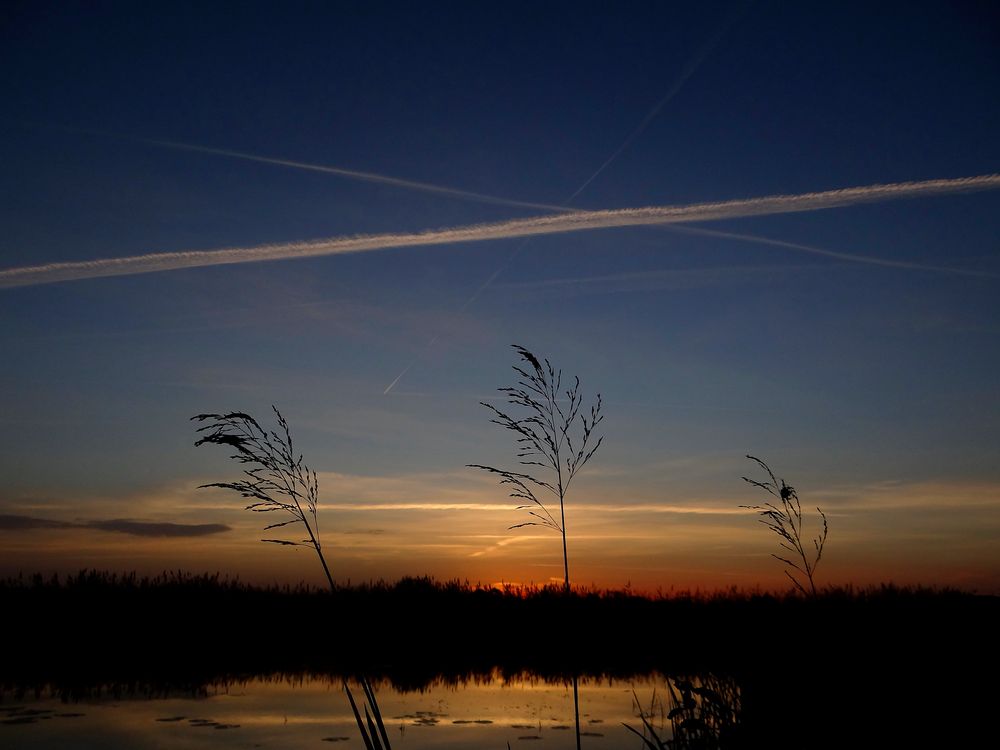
882	662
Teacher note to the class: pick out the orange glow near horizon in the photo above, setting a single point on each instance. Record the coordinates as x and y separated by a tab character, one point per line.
453	528
679	552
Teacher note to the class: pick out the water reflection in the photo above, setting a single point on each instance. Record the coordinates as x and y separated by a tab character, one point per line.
302	712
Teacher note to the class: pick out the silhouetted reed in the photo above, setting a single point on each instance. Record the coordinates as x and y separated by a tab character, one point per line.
545	438
278	482
704	714
371	727
786	522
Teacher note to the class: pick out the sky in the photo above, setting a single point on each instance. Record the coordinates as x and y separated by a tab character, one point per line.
352	210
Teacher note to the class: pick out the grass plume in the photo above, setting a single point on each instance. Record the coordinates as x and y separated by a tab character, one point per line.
277	481
555	435
786	522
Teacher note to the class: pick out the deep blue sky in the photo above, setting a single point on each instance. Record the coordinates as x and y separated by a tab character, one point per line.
873	389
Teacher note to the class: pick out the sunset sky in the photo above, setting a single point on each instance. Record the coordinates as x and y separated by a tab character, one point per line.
854	346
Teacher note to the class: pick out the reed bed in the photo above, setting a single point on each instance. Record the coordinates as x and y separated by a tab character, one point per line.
859	655
92	623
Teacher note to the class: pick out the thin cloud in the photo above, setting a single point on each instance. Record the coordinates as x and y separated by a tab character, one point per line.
26	523
119	525
584	508
504	543
144	528
377	507
578	221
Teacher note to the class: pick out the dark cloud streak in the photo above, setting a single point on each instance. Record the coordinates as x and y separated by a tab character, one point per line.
25	523
145	528
118	525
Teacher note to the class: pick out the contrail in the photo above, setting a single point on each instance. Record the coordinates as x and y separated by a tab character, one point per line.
869	259
353	174
686	72
496	200
577	221
405	370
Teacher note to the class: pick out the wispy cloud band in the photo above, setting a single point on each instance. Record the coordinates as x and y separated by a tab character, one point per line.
120	525
577	221
587	508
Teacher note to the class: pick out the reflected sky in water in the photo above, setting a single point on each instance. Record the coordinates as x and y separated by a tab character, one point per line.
315	714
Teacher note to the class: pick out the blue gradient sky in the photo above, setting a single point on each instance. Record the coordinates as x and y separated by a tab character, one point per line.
872	389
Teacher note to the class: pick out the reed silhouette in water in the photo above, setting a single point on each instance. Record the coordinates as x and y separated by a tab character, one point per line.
786	522
704	714
279	482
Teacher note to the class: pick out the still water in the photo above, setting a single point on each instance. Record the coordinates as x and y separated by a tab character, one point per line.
315	713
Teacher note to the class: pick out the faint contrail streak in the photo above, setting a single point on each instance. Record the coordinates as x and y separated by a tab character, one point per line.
484	198
405	370
812	249
577	221
686	72
355	175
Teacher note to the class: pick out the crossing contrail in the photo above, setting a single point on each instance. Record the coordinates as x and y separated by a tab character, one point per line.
577	221
853	257
686	72
351	174
497	200
354	174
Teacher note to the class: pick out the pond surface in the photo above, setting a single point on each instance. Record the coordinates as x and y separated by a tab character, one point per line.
315	713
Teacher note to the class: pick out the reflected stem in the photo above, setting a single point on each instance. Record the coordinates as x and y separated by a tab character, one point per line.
576	708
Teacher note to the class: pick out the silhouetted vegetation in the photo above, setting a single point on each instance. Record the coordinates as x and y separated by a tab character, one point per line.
703	711
545	438
883	648
372	728
278	481
208	626
786	522
732	660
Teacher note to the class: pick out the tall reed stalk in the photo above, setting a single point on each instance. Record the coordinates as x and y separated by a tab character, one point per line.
277	480
372	728
554	433
786	521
